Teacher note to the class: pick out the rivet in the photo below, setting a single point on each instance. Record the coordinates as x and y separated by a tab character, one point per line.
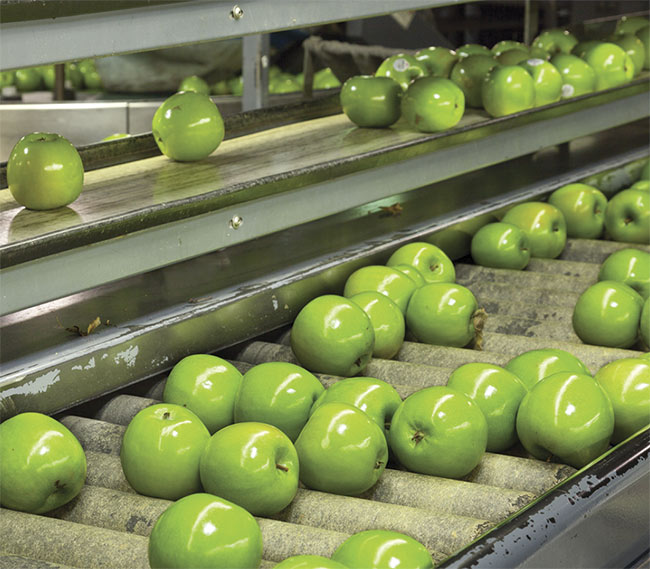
236	222
236	13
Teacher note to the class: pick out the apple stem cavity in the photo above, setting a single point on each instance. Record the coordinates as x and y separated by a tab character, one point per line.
417	437
282	467
478	321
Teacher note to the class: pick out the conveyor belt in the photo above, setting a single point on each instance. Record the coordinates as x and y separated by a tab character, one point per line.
446	515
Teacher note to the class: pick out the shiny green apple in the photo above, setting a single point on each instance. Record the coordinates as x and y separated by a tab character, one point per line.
627	217
583	208
469	73
433	104
325	79
438	431
438	60
543	224
206	385
644	326
578	76
608	314
500	245
507	45
634	47
341	450
161	449
194	83
278	393
28	79
629	266
644	35
309	562
506	90
387	321
431	261
411	272
513	56
383	279
546	80
612	65
402	68
555	41
333	335
42	464
534	365
203	530
371	101
473	49
630	24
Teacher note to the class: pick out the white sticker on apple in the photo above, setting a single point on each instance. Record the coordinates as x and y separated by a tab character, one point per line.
400	64
567	90
535	62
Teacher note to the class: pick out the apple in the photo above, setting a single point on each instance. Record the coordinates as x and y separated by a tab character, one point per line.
161	449
498	394
644	35
500	245
578	76
612	65
236	85
203	530
506	90
402	68
253	465
644	326
507	45
188	126
309	562
431	261
469	73
443	314
438	431
566	417
44	171
220	88
534	365
555	41
28	79
608	314
629	266
6	78
645	171
379	278
547	81
433	104
194	83
283	83
437	60
581	48
375	397
543	224
627	217
641	185
279	394
411	272
341	450
387	321
630	24
383	549
583	208
371	101
513	56
473	49
627	384
325	79
206	385
333	335
634	48
42	464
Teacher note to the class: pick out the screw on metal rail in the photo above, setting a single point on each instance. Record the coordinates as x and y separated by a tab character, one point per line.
236	13
236	222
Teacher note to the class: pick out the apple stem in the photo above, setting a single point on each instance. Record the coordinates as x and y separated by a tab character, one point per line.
478	320
417	437
282	467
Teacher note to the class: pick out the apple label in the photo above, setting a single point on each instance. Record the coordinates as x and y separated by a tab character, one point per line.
535	62
401	64
567	90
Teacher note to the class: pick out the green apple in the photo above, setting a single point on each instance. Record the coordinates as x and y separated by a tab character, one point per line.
498	394
371	101
206	385
634	47
74	75
325	79
42	464
432	262
433	104
194	83
341	450
411	272
379	278
644	35
612	65
641	185
387	321
44	171
278	393
309	562
534	365
382	549
578	76
333	335
608	314
439	431
581	48
203	530
546	80
645	171
583	208
28	79
283	83
506	45
500	245
402	68
630	24
187	127
506	90
437	60
161	449
236	85
473	49
566	417
513	56
627	217
644	326
254	465
74	78
220	88
469	73
543	224
375	397
629	266
443	314
6	78
627	383
555	41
